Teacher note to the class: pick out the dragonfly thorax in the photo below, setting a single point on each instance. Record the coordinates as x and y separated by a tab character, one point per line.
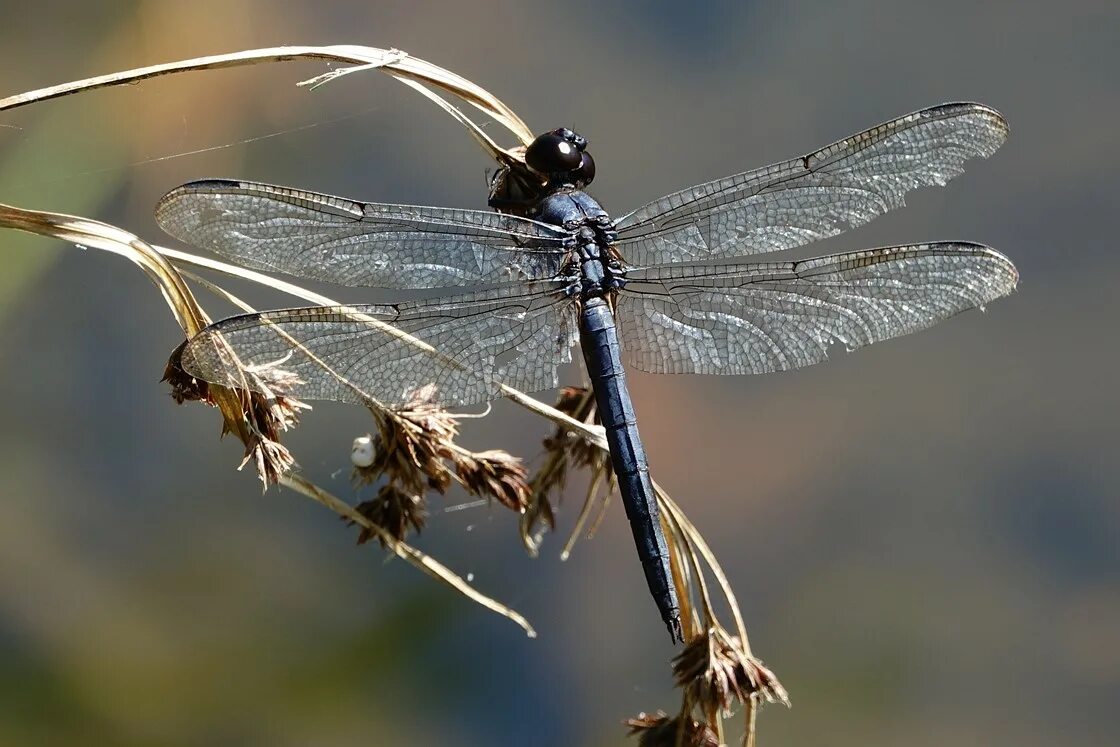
600	274
572	209
592	233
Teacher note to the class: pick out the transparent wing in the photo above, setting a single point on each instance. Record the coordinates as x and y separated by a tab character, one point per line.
309	235
822	194
471	344
759	317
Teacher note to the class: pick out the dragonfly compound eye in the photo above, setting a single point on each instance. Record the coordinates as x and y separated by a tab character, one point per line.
583	175
552	153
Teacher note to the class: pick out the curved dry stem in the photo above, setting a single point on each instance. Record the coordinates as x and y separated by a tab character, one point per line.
611	483
86	232
493	149
584	513
682	539
751	719
697	541
396	63
682	580
410	554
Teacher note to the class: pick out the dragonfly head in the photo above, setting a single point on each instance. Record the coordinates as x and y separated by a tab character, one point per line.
561	156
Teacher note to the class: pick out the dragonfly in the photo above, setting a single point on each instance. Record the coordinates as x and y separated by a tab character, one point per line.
664	289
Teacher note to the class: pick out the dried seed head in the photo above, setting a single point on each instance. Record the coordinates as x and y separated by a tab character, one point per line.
494	474
262	416
579	404
409	449
552	475
271	458
537	517
268	416
564	448
716	671
659	730
184	387
276	412
273	377
412	449
393	510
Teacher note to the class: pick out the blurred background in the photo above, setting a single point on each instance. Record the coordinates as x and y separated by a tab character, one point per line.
923	535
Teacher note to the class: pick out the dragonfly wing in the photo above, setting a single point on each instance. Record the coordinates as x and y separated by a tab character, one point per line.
758	317
795	202
336	240
450	351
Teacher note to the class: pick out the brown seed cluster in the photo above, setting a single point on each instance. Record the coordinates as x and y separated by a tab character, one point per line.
578	403
258	419
184	387
395	511
563	451
494	474
415	451
717	672
410	448
659	730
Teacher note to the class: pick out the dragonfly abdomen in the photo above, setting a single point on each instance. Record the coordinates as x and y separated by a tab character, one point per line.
603	356
580	213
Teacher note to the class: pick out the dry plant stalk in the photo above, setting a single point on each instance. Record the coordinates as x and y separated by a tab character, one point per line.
415	445
563	450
